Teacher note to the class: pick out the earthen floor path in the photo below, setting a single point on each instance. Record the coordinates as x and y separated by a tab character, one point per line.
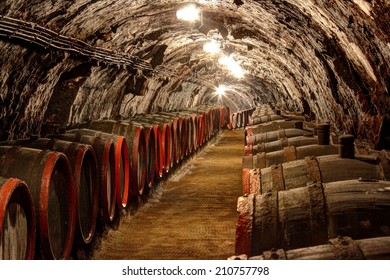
192	216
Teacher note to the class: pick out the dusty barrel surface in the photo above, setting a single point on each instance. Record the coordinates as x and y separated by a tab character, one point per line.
264	118
192	130
267	147
82	159
176	123
201	121
17	220
104	148
159	143
166	141
289	153
199	127
275	135
151	153
340	248
122	155
311	215
135	140
323	169
49	177
277	125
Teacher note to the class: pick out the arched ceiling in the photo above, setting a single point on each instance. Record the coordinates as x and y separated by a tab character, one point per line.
327	59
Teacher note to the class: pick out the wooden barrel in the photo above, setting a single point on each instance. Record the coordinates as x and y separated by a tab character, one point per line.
151	154
177	128
233	121
277	125
166	137
82	159
104	147
339	248
135	139
311	215
122	155
167	127
320	169
307	139
275	135
201	121
17	220
49	178
159	143
264	118
192	130
290	153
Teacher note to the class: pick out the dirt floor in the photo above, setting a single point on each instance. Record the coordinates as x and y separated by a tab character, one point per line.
191	216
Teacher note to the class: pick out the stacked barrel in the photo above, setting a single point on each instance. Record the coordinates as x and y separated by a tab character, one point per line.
239	119
57	190
306	195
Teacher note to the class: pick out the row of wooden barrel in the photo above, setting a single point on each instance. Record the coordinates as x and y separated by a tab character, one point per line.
54	190
266	113
303	192
339	248
239	119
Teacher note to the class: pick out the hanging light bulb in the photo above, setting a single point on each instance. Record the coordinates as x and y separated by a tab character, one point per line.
221	89
188	13
211	47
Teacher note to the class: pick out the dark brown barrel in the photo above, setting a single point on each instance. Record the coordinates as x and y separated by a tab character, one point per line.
159	143
122	155
49	178
150	153
222	117
273	146
311	215
322	169
202	129
104	148
168	133
347	148
166	140
177	127
192	130
323	134
290	153
340	248
135	139
17	220
83	161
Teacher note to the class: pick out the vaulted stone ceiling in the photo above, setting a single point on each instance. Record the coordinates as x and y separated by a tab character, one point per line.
327	59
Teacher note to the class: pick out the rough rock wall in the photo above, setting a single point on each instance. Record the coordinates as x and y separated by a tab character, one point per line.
328	59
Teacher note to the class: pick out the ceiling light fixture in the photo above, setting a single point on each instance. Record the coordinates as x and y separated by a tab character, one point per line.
189	13
221	90
212	47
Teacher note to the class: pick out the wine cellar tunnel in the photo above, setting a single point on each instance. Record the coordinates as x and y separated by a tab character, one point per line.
195	130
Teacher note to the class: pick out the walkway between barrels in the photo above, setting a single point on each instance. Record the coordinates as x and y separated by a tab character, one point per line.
192	216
